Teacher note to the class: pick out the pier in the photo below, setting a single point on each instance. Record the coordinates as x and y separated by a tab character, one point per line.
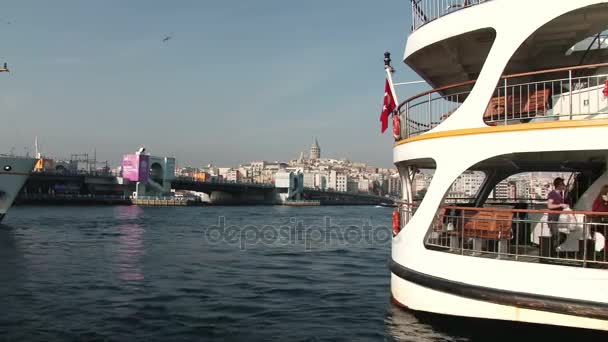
165	202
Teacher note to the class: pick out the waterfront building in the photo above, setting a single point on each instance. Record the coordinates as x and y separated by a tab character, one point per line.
467	184
331	180
321	180
341	182
501	191
202	176
233	175
363	185
421	182
352	185
394	185
223	171
309	179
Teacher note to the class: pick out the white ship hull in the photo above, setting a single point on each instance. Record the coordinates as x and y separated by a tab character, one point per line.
465	258
14	171
517	301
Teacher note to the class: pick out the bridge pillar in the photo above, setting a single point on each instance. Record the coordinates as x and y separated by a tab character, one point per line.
253	197
221	197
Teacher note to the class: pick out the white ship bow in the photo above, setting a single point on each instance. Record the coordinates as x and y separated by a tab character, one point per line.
14	171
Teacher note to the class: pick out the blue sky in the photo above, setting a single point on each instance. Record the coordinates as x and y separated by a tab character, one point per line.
239	80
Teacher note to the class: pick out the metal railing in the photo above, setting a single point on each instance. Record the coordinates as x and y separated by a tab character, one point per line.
424	11
425	111
223	182
572	93
570	238
562	95
167	198
42	196
99	173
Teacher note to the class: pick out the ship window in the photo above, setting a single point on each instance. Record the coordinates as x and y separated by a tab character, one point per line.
422	180
7	168
509	218
463	190
596	42
465	187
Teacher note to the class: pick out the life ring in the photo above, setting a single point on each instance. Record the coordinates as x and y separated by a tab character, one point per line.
396	127
396	223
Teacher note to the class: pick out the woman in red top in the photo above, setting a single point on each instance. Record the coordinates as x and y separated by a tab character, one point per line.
600	205
601	201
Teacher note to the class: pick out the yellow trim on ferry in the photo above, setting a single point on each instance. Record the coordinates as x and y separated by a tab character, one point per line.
508	128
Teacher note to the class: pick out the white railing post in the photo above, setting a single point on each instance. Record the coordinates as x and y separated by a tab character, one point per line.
413	15
585	251
570	87
462	232
506	101
406	121
430	108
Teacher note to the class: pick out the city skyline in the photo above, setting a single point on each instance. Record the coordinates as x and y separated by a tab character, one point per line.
227	87
116	161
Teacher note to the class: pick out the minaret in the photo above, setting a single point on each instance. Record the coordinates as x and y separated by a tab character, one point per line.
315	151
38	155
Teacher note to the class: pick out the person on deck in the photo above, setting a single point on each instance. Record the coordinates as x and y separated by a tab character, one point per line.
555	201
601	201
600	205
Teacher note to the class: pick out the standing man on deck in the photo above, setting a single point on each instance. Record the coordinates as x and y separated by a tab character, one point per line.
555	201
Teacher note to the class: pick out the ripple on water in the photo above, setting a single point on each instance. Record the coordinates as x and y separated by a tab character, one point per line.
149	274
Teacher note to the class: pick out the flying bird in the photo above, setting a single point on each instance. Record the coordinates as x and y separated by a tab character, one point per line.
166	39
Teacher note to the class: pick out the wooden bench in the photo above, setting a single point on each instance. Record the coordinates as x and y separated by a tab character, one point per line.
489	225
484	225
534	102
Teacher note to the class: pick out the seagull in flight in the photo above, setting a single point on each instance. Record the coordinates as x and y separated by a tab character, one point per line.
166	39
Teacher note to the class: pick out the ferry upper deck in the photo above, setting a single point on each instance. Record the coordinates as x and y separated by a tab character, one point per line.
453	39
490	70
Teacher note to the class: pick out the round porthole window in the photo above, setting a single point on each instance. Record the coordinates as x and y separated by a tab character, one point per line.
7	168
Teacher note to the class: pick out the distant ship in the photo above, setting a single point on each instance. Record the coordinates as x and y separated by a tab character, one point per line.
14	171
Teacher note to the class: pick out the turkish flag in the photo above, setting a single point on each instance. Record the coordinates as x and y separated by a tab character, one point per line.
389	106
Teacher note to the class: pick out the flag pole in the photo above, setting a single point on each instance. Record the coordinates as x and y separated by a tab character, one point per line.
389	71
407	193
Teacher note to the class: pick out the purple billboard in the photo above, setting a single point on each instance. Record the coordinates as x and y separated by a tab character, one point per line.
135	167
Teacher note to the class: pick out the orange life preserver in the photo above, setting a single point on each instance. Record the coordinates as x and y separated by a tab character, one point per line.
605	91
396	127
396	223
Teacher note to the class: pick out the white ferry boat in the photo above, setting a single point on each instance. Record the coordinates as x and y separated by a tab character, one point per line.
14	171
519	86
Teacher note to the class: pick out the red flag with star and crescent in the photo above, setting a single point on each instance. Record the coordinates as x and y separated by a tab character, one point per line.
390	103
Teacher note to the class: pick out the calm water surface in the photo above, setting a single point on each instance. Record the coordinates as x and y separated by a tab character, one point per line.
210	273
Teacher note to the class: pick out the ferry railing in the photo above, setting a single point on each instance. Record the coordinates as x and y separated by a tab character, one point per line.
68	196
572	93
426	112
522	235
424	11
406	212
561	94
408	209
